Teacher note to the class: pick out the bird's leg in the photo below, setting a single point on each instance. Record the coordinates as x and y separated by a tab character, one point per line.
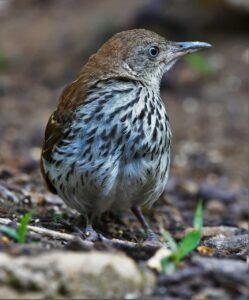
151	236
89	233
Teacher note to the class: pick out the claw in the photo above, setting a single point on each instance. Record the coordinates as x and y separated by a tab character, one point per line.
90	234
151	236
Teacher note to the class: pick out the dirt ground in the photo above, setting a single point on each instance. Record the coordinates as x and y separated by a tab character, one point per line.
44	44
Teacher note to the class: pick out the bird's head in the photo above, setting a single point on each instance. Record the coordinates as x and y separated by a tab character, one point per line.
141	54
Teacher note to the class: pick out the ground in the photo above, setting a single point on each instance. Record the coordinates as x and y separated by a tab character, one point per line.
43	46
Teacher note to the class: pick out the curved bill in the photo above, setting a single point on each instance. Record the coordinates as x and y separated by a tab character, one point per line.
189	47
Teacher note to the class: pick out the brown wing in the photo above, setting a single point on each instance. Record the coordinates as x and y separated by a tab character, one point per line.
49	185
53	134
58	126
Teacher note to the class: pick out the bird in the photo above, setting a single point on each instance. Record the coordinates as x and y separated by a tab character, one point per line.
107	144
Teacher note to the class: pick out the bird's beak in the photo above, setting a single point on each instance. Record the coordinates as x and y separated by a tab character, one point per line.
183	48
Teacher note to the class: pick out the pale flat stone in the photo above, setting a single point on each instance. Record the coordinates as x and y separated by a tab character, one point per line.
60	274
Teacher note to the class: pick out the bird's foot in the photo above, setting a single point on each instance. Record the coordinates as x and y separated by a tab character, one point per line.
152	239
151	236
90	234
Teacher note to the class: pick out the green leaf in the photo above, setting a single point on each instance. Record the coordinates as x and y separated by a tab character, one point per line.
169	240
199	64
168	266
188	244
23	228
9	231
198	219
191	240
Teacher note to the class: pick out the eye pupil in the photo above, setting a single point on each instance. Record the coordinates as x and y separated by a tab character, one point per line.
153	51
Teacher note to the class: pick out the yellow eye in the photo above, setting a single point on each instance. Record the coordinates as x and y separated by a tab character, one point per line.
153	51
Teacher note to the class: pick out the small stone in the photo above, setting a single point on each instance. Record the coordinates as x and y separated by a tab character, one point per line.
228	243
189	187
120	233
243	225
155	261
219	230
35	153
212	293
215	156
213	231
5	240
215	207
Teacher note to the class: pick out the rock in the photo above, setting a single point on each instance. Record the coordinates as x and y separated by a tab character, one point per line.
219	230
207	278
232	244
224	270
209	231
58	274
212	293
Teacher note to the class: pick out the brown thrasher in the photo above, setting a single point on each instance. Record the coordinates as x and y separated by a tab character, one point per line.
107	145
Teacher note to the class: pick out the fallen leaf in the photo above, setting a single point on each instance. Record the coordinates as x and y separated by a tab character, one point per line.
204	250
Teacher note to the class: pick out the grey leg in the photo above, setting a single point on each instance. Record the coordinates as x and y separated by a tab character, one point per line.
151	236
84	228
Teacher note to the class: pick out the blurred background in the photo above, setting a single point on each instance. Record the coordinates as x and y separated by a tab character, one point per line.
45	43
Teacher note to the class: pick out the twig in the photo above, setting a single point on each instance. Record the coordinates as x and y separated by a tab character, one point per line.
149	247
112	243
43	231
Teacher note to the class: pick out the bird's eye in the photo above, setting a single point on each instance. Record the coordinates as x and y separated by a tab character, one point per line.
153	51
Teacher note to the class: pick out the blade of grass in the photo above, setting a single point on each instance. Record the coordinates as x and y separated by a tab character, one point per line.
168	266
169	239
193	238
188	244
198	218
22	230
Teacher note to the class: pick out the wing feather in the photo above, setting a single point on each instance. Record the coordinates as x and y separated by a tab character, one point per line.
58	126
